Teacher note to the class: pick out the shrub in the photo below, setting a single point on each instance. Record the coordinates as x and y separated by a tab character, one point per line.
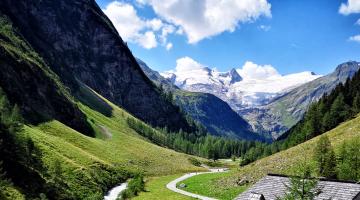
195	162
135	186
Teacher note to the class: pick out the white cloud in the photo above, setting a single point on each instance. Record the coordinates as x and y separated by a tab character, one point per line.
264	27
186	64
355	38
166	30
169	46
155	24
148	40
206	18
132	28
352	6
251	70
125	20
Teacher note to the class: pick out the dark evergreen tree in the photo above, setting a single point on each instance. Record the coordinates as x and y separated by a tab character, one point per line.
325	157
349	161
356	103
302	186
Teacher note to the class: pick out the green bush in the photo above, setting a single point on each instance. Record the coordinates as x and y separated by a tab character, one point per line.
213	164
195	162
135	186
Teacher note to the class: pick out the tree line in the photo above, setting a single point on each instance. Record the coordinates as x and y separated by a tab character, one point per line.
199	144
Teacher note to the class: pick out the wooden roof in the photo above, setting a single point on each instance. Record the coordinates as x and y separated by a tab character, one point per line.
274	186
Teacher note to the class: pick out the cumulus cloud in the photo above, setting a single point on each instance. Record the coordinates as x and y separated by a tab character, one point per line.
251	70
186	64
155	24
132	28
203	19
352	6
125	19
148	40
355	38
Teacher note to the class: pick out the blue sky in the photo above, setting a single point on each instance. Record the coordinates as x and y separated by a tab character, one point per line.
292	36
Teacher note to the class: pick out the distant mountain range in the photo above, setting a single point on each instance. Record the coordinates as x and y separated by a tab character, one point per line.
207	109
271	105
231	87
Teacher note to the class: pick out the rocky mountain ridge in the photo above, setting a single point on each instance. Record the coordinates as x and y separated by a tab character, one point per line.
272	105
207	109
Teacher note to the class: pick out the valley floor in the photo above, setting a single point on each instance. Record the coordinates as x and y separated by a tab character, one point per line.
225	186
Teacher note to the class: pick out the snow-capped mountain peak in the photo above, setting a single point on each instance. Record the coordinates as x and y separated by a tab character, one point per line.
251	85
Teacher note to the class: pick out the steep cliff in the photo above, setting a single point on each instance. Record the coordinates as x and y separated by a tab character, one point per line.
29	83
81	45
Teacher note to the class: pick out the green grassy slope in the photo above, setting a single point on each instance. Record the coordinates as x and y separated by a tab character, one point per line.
125	148
284	162
116	151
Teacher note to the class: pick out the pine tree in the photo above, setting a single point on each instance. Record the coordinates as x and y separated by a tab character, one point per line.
339	111
325	158
302	186
349	161
356	103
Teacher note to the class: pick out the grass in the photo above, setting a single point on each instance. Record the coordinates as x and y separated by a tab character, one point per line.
126	148
156	189
90	158
285	162
203	184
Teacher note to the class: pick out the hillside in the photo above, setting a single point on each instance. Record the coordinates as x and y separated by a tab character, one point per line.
284	162
89	166
207	109
285	111
215	114
79	43
28	82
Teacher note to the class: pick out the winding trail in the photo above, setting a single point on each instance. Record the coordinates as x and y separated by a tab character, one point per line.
172	184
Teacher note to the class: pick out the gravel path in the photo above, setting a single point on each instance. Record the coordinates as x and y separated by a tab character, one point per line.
172	184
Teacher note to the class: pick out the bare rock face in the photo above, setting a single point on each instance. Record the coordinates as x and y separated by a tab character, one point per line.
30	84
80	44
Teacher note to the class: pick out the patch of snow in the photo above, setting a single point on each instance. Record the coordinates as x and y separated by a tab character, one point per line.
238	91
